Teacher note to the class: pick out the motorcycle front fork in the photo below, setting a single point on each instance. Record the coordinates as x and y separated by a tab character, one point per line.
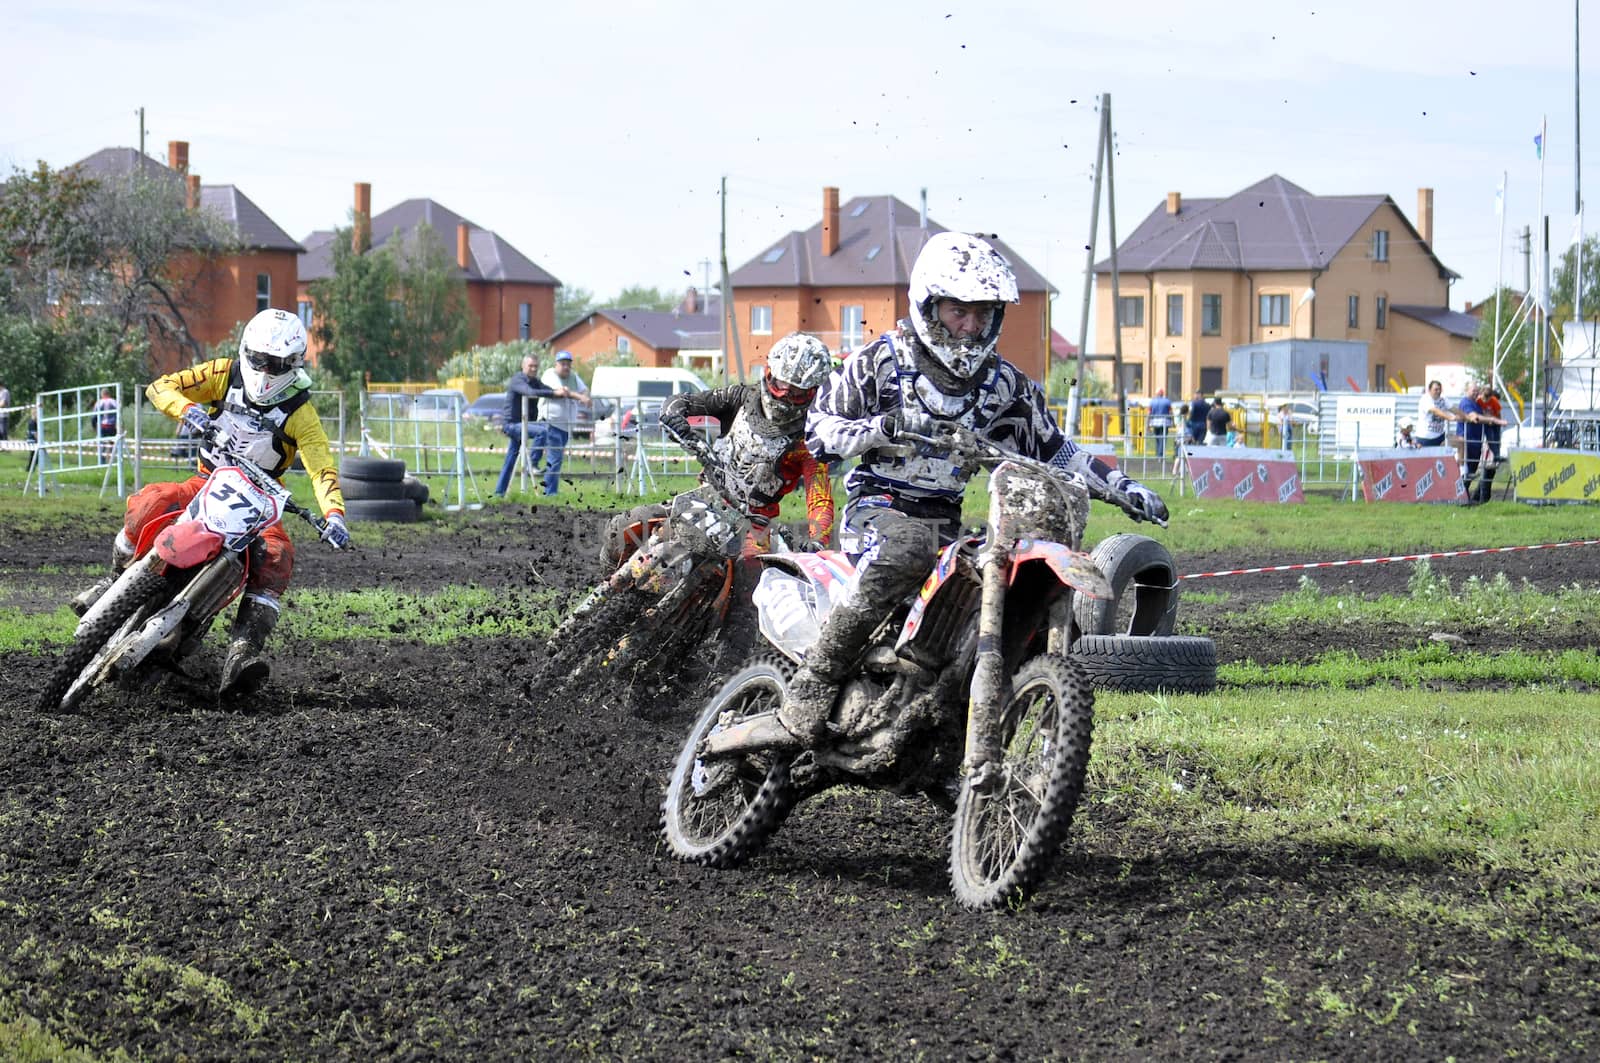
989	682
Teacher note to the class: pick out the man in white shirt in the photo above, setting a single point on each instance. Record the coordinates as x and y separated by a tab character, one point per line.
1434	414
559	416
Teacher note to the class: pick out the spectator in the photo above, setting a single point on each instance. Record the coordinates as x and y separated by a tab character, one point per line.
107	420
1434	414
523	392
33	437
1473	420
5	412
1491	434
560	414
1195	426
1286	425
1160	420
1407	440
1219	422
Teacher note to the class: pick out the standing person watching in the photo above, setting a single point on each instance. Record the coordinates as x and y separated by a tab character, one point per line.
262	400
5	413
1218	423
1435	416
1194	426
108	420
1473	419
1160	420
560	414
523	392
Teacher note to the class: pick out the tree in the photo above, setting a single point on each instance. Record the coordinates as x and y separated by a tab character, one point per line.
637	296
1561	284
355	324
432	315
572	304
493	365
1517	346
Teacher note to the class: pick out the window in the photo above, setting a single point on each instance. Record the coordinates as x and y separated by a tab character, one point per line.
263	292
852	326
1383	312
773	255
1175	314
1132	377
1274	310
1380	376
1259	364
1380	246
874	252
524	321
761	321
1130	311
1210	379
1352	311
861	208
625	345
304	309
1174	380
1210	315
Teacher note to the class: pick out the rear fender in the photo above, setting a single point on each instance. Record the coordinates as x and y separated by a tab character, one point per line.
1072	567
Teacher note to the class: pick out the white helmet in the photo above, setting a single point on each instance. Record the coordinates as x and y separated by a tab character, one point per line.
271	351
796	366
961	267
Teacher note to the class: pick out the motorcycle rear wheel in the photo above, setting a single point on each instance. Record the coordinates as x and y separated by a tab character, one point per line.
64	692
720	813
1004	838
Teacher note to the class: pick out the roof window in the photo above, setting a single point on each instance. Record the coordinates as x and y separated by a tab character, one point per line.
874	252
861	208
773	255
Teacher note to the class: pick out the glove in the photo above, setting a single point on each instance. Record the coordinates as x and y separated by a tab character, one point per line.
1141	503
813	546
889	424
196	420
336	532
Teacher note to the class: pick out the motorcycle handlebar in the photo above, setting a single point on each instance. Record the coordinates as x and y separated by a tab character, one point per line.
216	437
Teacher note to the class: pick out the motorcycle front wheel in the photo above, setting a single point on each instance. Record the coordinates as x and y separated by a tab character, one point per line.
1006	834
720	812
70	681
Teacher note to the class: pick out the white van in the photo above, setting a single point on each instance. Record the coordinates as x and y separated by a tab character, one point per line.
625	385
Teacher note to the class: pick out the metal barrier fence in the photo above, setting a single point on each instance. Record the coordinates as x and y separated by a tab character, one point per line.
76	430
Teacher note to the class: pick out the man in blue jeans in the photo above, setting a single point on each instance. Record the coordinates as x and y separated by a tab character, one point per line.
560	415
523	392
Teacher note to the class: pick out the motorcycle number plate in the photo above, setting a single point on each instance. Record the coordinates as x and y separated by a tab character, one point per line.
232	506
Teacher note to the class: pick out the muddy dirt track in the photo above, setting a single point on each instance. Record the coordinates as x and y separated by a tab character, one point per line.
413	852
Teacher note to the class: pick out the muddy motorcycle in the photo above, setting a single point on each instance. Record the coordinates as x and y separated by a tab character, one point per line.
969	695
188	566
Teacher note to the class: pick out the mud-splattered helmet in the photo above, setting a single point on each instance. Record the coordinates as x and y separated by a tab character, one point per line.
271	351
964	268
796	366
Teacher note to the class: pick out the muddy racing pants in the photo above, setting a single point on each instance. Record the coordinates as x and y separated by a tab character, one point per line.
271	555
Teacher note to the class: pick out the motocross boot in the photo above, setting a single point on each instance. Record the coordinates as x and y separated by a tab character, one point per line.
121	558
247	666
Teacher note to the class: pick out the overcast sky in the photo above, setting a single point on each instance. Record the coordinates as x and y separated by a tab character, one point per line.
593	136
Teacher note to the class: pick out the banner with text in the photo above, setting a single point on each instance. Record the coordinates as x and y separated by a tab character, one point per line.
1556	475
1364	421
1428	474
1246	474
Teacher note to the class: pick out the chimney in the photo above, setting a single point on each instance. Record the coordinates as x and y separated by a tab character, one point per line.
361	231
1425	215
463	246
191	191
691	301
1174	202
830	221
178	155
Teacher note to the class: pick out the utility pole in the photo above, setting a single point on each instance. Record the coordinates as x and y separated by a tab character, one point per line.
1527	260
1075	398
730	324
141	138
1116	289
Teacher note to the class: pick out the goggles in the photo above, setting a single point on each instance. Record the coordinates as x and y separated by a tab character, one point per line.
794	396
262	362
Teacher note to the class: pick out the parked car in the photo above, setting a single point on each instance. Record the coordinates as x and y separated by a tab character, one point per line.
487	409
439	404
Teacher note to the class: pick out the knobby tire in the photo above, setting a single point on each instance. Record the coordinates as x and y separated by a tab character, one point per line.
130	598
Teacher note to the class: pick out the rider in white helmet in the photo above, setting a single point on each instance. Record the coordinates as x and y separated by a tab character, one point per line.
262	399
760	454
938	369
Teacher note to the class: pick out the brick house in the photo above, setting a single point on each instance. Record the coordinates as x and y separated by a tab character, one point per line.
510	296
690	335
1273	262
845	279
224	289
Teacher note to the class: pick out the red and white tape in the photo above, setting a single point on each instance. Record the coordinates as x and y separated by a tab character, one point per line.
1386	560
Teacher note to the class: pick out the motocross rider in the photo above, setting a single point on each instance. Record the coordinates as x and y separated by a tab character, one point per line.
760	455
937	370
262	400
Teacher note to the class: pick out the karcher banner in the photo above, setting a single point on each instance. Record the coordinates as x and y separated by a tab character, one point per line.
1556	475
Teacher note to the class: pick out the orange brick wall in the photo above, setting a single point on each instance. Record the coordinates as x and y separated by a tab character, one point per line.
224	294
494	305
596	335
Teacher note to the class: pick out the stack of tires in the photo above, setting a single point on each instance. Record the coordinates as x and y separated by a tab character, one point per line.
1126	642
378	489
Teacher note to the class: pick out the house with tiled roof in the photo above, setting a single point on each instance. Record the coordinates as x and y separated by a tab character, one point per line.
259	272
845	280
511	296
689	335
1271	262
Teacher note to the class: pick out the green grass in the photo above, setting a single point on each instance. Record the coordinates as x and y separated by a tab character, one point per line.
1424	665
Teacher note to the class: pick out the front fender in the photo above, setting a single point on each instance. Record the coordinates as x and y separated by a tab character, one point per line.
1072	567
188	544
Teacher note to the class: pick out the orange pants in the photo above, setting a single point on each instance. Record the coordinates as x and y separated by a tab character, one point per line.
271	555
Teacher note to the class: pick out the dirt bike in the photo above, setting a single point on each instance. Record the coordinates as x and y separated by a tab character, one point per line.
969	695
188	565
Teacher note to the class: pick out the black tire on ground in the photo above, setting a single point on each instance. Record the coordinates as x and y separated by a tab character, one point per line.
1144	585
391	469
415	490
141	588
356	489
1171	664
1002	840
719	814
390	510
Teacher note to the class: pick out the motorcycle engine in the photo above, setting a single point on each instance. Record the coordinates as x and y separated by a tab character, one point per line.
862	708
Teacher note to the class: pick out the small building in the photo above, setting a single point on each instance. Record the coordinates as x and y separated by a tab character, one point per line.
1298	365
689	335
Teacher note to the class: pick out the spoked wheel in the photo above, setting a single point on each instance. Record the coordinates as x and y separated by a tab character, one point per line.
75	673
1007	830
720	812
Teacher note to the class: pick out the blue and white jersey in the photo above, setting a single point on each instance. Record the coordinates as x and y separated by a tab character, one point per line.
846	419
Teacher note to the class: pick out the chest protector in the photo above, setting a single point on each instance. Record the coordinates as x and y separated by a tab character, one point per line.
751	453
257	431
922	405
